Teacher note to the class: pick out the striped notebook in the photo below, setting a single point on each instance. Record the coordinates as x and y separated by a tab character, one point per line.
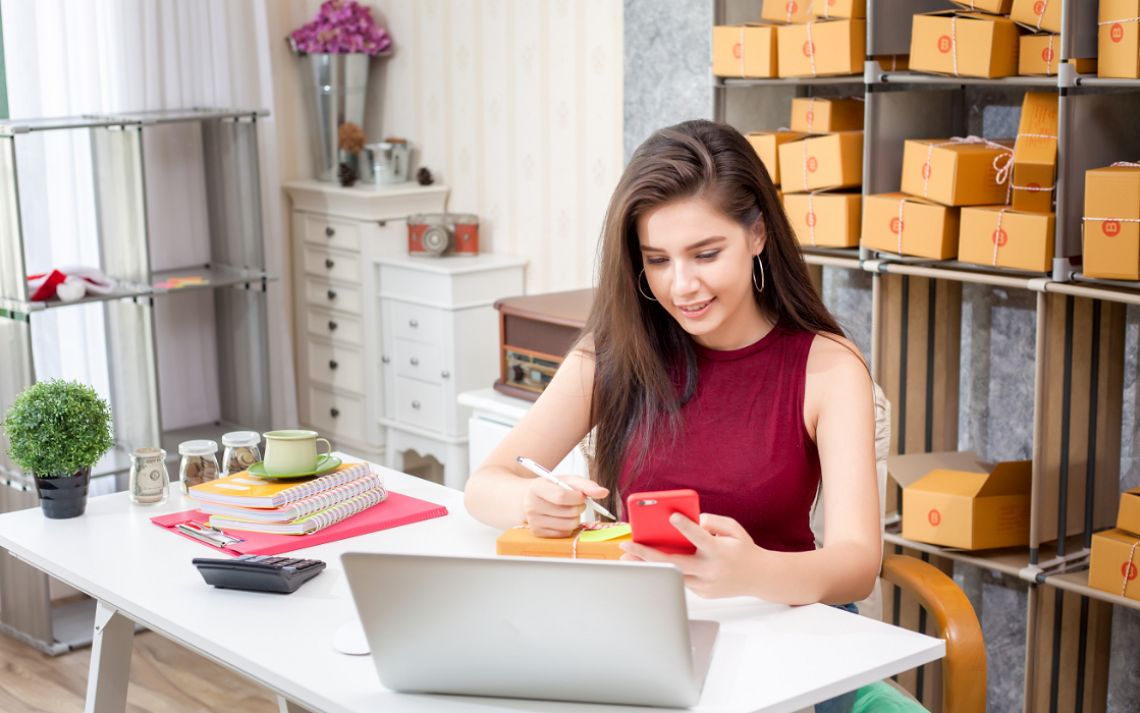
309	523
304	506
249	491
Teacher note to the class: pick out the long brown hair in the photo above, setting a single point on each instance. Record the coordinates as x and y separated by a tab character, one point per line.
640	351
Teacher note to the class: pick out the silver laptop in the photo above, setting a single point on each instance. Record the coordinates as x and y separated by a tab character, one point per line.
571	630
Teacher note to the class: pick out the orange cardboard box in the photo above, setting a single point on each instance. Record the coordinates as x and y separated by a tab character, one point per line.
956	500
892	62
822	116
786	11
822	162
1128	517
904	225
1035	153
994	7
1111	233
825	220
1040	55
829	9
821	48
1114	563
767	144
965	44
742	51
1037	15
999	237
956	172
520	542
1118	39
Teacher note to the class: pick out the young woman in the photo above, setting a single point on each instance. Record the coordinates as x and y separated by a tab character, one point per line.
708	362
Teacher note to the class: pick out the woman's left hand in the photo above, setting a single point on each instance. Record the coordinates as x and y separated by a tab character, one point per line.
723	564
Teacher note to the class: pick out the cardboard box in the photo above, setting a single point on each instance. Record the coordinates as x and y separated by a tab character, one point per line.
520	542
1118	39
1114	563
829	220
999	237
994	7
956	172
823	116
1128	517
1038	55
1037	15
830	9
964	44
766	145
1111	235
956	500
1035	154
742	51
901	224
835	47
786	11
892	62
822	162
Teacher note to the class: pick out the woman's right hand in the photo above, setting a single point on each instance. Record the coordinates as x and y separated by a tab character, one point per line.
552	511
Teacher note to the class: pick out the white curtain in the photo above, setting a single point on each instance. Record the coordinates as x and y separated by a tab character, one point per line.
72	57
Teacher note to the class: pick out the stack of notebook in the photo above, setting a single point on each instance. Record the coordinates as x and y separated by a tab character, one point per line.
244	502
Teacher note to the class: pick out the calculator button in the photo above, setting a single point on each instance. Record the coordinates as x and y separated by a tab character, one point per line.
306	564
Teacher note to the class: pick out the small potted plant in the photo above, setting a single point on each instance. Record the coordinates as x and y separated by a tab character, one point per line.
56	431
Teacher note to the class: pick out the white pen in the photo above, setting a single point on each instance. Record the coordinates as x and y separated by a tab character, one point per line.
544	473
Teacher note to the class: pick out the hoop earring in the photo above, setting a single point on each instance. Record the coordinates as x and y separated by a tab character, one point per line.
639	275
760	287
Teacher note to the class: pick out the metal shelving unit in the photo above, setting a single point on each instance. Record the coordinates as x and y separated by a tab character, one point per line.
234	276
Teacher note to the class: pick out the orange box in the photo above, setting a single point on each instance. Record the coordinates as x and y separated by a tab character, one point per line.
821	48
904	225
786	11
823	116
956	172
767	144
994	7
1037	15
1038	55
1111	233
830	9
956	500
1035	154
825	220
1118	39
743	51
998	237
1128	517
1114	562
892	62
964	44
520	542
822	162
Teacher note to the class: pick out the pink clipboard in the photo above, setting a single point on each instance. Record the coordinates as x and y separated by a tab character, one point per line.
396	510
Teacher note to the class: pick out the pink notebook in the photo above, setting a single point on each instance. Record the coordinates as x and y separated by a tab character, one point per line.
396	510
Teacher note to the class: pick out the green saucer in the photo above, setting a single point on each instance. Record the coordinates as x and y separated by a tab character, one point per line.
325	463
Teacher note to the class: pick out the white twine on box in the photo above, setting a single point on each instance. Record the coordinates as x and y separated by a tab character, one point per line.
1119	22
1001	168
790	8
742	51
1049	62
1034	189
902	204
810	219
954	41
811	49
1040	17
997	235
1133	164
1127	569
810	116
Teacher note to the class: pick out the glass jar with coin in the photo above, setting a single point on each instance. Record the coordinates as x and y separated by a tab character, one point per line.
150	483
242	451
199	462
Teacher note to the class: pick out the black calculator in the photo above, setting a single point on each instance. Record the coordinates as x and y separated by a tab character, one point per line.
258	573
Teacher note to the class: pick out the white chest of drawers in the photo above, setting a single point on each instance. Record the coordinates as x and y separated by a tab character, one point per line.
439	331
338	234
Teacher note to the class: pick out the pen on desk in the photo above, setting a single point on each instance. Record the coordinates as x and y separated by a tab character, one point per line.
544	473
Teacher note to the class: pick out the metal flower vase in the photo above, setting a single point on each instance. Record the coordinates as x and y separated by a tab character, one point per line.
337	84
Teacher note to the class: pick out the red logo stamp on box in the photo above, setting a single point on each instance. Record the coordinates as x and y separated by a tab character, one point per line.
1000	237
810	118
1047	55
809	49
737	50
1128	571
1039	8
934	517
792	7
810	219
812	164
944	44
1111	228
1117	32
896	225
927	170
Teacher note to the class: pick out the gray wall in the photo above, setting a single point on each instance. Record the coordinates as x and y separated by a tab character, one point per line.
667	79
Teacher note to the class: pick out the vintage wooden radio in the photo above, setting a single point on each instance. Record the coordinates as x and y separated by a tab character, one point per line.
535	333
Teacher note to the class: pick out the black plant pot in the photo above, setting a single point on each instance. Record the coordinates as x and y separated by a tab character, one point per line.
62	498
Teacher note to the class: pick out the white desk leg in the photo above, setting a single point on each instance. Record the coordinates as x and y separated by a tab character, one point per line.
110	671
284	705
455	468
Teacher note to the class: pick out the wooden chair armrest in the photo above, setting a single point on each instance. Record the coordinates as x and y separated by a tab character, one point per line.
964	668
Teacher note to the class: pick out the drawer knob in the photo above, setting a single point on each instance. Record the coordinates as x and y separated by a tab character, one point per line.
329	264
332	294
332	364
445	374
332	326
385	359
415	404
413	323
334	412
329	232
415	361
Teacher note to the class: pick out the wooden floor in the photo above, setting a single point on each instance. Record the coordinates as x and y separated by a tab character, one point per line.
164	678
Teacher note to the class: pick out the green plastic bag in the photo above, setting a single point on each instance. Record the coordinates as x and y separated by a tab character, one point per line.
882	697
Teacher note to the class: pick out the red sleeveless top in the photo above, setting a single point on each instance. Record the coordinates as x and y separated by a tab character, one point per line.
742	443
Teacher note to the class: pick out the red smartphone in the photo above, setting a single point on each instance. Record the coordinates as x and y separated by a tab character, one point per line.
649	519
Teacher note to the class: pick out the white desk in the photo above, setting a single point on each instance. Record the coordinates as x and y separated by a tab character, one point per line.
768	657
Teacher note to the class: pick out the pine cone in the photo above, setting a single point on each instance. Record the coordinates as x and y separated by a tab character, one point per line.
424	177
347	175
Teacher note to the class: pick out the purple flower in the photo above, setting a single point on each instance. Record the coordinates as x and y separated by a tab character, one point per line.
340	27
